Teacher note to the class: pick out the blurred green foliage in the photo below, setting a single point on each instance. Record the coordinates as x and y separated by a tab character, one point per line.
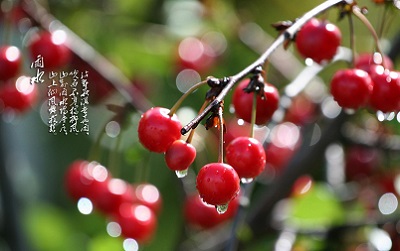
141	38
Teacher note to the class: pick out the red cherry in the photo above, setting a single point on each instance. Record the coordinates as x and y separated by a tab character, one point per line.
247	156
201	215
351	88
137	222
236	128
85	179
302	185
148	195
385	95
301	111
19	95
195	54
52	47
285	139
158	130
318	40
180	155
10	62
365	61
360	162
265	108
111	194
217	183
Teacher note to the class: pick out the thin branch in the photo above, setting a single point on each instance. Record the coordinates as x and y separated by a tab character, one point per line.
288	34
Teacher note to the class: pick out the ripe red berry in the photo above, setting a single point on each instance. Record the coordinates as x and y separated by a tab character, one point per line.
360	162
301	111
147	194
385	95
351	88
285	140
52	47
265	107
180	155
318	40
19	96
204	216
10	62
365	61
195	54
247	156
85	179
217	183
158	130
112	194
137	222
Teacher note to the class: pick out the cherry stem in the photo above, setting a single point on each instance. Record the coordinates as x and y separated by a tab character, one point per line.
95	149
113	159
288	34
190	137
221	135
185	95
357	12
253	114
352	40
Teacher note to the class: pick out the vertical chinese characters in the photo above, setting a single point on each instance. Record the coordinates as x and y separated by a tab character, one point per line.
68	98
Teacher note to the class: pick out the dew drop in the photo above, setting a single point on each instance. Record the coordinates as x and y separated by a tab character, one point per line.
221	209
181	173
246	180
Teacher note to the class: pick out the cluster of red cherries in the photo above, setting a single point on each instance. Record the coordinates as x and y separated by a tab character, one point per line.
17	93
371	83
218	183
133	207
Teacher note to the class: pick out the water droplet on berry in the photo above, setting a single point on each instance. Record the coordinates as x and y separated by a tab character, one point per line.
181	173
221	209
246	180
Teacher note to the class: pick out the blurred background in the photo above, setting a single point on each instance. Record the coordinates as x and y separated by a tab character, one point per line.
332	177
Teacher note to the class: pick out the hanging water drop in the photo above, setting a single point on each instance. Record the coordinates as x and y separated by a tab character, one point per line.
221	209
246	180
181	173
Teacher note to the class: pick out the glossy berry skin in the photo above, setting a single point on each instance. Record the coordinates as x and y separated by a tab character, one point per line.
157	130
204	216
18	95
86	179
265	108
247	156
318	40
180	155
10	62
385	95
147	194
351	88
195	54
137	222
52	47
217	183
365	61
112	194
